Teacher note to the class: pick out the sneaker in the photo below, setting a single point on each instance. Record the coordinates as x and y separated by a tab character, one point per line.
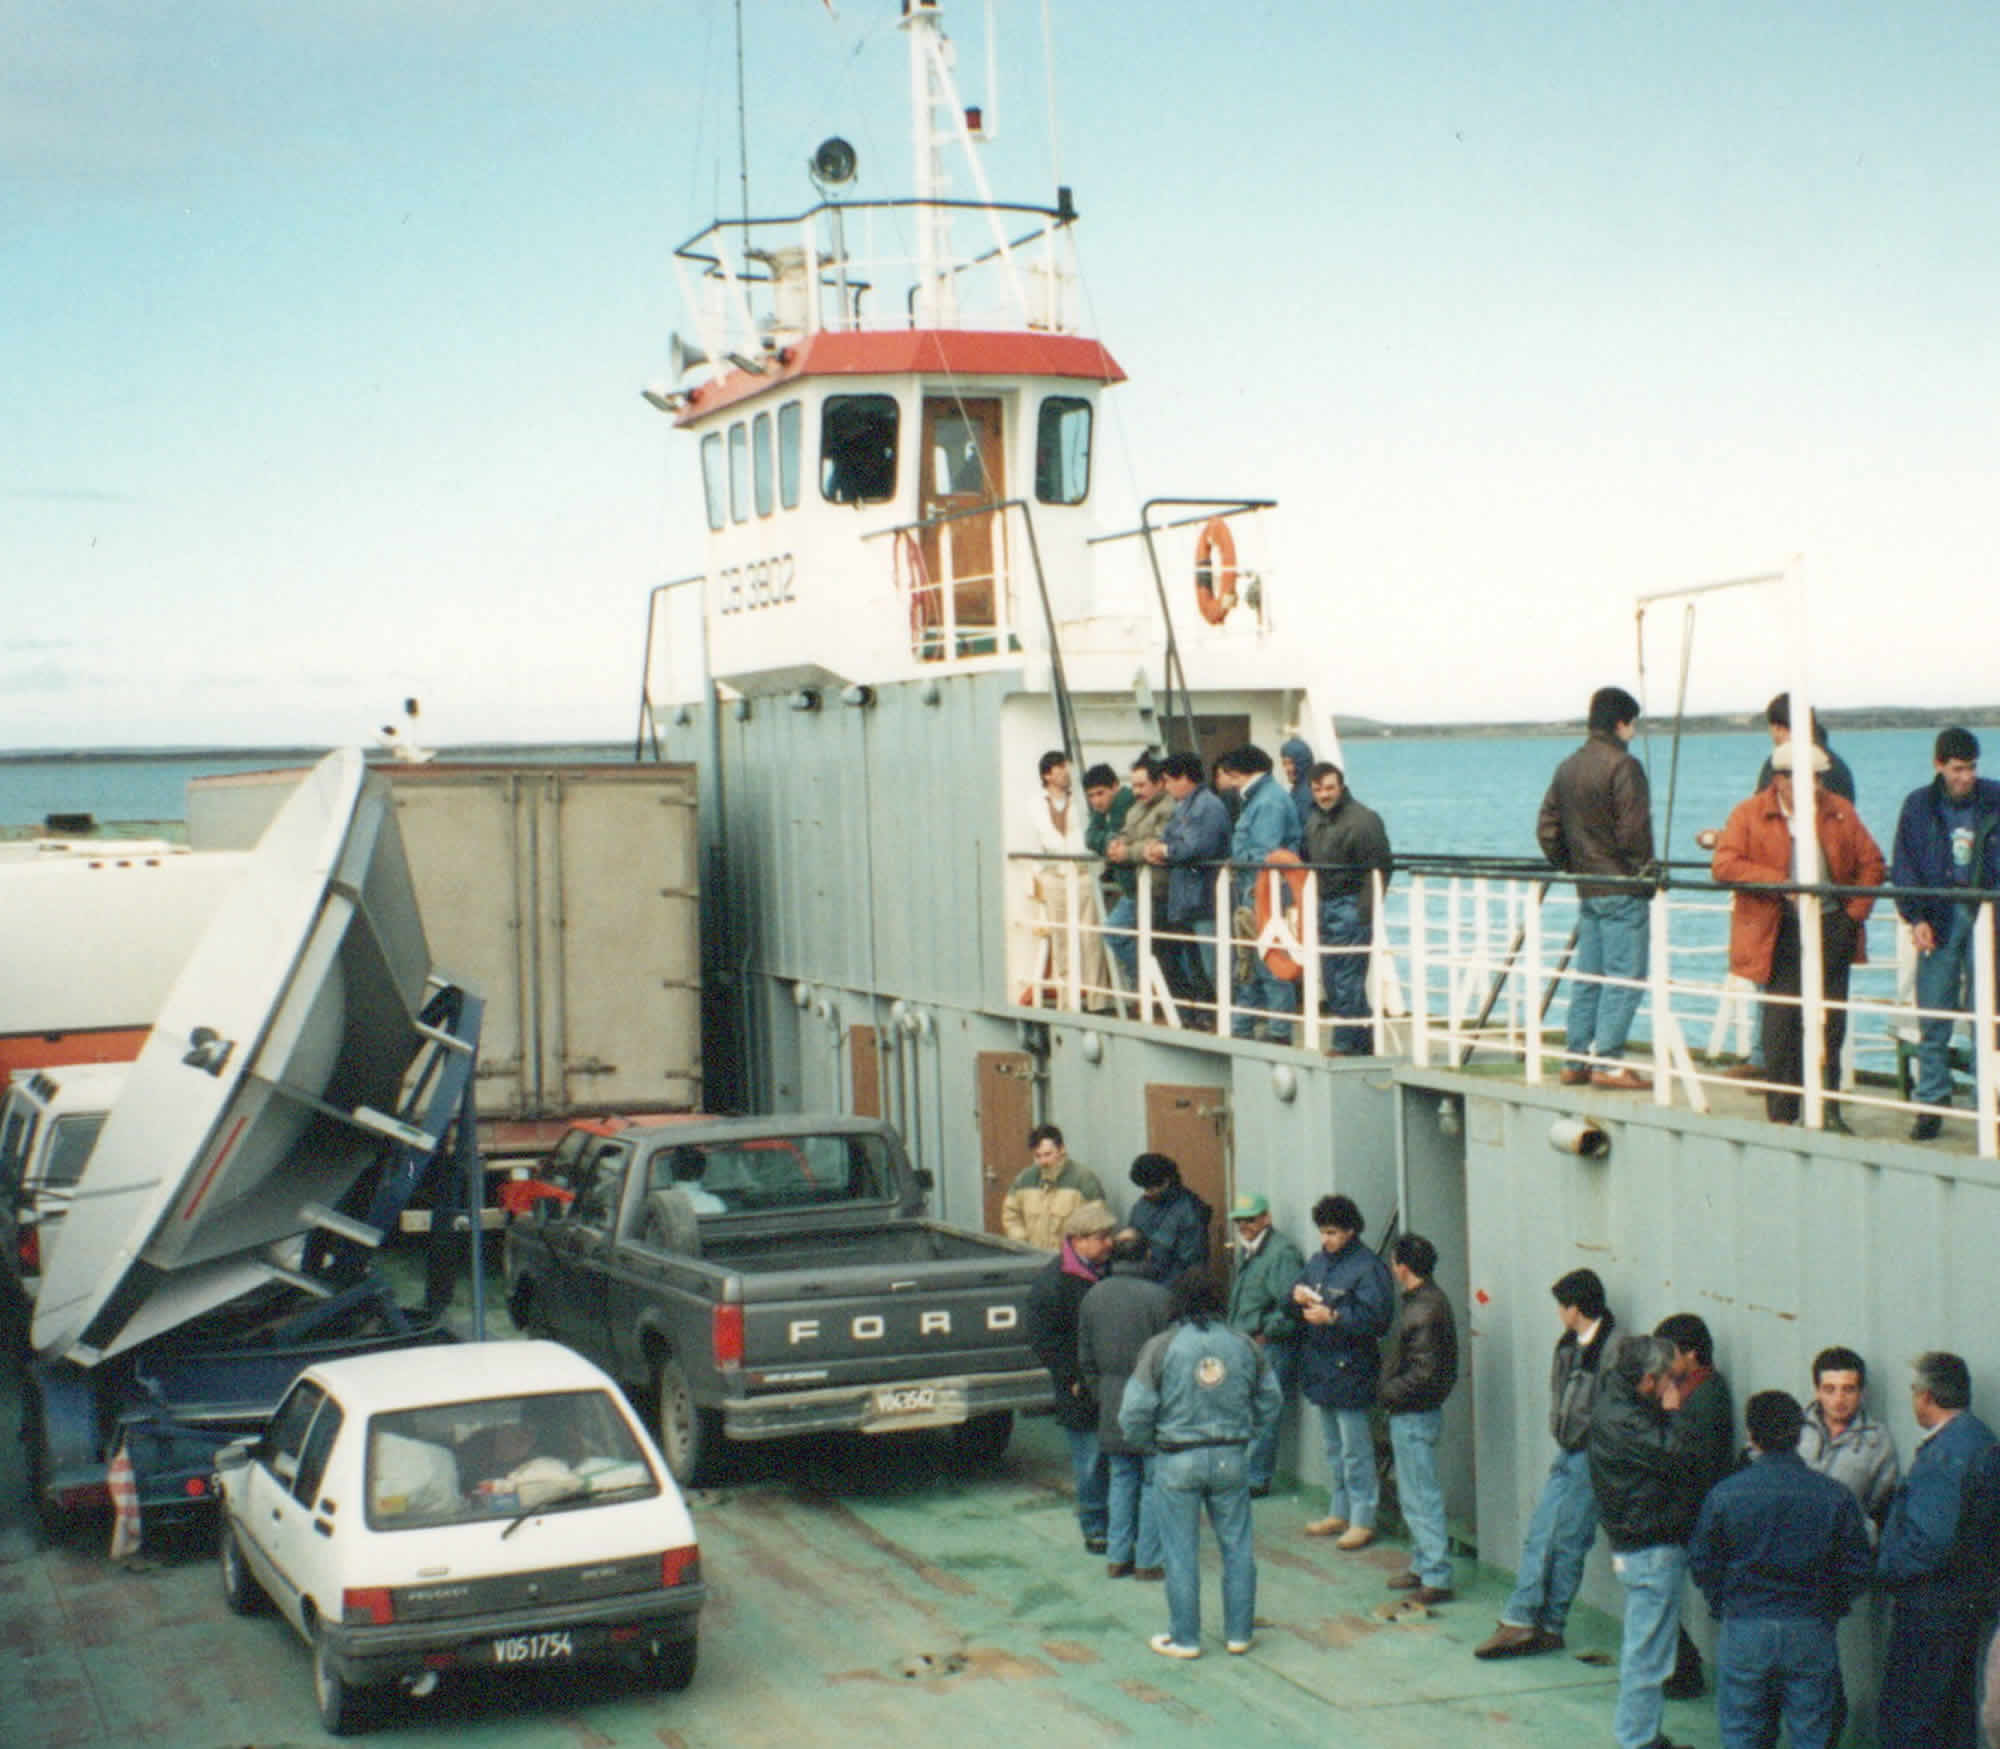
1326	1527
1356	1536
1167	1647
1927	1128
1238	1647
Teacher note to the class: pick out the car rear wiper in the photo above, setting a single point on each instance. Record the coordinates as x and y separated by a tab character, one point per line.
577	1491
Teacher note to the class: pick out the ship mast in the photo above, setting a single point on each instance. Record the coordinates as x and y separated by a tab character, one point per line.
934	123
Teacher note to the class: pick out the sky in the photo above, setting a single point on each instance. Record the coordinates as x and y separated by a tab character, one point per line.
322	328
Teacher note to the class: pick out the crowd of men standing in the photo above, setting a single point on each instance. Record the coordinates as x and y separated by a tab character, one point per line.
1171	1388
1166	816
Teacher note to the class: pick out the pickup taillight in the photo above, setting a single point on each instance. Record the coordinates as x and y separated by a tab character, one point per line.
371	1606
28	1248
726	1333
680	1567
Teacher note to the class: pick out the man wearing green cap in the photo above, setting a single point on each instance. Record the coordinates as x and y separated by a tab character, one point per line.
1267	1263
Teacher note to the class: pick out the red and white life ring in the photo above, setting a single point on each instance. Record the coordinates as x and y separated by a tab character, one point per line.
1284	885
1215	571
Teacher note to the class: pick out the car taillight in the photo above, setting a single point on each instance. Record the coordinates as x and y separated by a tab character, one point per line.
680	1567
371	1606
727	1334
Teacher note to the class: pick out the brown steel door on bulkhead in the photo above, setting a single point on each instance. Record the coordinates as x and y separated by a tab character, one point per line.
864	1061
962	465
1190	1125
1006	1115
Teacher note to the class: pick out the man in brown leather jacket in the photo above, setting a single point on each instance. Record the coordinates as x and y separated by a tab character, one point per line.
1421	1369
1597	819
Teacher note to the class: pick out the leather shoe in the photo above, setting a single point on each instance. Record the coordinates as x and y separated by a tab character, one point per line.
1118	1569
1326	1527
1149	1575
1927	1128
1576	1078
1620	1081
1432	1595
1355	1536
1095	1545
1508	1641
1404	1582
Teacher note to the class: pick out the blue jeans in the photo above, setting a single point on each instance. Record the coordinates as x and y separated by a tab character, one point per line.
1941	976
1284	1362
1346	974
1653	1579
1124	948
1772	1669
1093	1483
1558	1543
1353	1489
1929	1677
1185	1479
1611	941
1134	1533
1414	1439
1264	989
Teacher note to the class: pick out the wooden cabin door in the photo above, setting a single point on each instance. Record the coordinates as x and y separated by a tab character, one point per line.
963	467
1190	1125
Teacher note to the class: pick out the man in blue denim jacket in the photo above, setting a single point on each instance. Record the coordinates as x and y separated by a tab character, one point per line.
1781	1553
1200	1392
1267	821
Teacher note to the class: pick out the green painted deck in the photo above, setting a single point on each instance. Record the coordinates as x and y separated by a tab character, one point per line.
859	1593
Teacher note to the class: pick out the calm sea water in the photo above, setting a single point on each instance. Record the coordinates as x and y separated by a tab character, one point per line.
1474	796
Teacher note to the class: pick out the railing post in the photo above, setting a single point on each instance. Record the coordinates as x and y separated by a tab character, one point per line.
1225	954
1371	979
1985	1050
1309	991
1660	977
1143	960
1420	994
1073	938
1812	1008
1531	950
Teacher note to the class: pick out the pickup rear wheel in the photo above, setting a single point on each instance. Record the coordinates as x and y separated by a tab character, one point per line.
981	1441
690	1436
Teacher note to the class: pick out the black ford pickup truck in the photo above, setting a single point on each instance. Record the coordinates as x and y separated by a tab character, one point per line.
765	1277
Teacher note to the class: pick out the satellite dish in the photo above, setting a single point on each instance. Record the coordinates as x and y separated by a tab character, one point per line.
833	163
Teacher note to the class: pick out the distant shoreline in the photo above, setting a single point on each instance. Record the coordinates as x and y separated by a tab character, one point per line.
1355	728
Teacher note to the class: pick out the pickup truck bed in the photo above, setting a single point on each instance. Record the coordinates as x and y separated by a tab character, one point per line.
769	1277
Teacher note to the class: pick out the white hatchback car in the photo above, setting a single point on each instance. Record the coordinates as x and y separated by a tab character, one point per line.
433	1509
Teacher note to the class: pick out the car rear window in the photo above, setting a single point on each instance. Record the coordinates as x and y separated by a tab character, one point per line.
491	1457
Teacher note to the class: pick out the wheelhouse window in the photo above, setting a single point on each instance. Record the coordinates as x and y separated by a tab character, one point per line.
761	463
739	473
791	429
69	1149
857	449
713	481
453	1463
1062	450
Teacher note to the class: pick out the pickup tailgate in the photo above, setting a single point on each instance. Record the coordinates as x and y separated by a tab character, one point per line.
902	1342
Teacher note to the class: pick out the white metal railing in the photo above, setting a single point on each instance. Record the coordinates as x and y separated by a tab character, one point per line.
1475	969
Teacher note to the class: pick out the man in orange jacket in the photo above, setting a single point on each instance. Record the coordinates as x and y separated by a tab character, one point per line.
1756	847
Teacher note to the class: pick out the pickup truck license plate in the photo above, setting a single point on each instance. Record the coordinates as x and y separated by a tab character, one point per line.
532	1649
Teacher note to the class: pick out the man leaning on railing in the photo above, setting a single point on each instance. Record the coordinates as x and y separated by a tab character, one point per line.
1757	846
1948	836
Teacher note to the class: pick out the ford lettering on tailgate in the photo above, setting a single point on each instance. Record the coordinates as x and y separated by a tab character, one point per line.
937	1323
